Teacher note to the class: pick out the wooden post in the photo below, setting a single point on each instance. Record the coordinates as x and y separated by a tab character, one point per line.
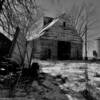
86	58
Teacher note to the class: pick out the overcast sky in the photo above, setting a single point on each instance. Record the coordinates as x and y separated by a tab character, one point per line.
53	8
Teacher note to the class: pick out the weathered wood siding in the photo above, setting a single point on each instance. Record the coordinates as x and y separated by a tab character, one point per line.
49	41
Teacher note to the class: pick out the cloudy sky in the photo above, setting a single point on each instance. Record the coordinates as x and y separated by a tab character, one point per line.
53	8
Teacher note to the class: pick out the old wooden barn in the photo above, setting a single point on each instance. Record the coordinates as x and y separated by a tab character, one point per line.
60	42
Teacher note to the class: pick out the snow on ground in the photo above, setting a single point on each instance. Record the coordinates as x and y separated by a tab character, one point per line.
75	73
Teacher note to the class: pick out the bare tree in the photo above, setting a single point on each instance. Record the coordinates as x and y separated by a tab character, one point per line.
82	18
22	15
19	13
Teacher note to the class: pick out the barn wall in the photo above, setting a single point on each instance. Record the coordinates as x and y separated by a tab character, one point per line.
47	49
76	50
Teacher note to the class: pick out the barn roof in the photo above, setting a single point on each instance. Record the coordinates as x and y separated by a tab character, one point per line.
61	30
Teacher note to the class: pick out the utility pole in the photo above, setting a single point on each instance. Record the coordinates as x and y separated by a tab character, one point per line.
86	58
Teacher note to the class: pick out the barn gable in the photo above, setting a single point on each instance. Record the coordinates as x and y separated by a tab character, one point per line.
62	31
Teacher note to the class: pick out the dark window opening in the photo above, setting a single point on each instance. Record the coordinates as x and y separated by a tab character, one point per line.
64	24
47	20
64	50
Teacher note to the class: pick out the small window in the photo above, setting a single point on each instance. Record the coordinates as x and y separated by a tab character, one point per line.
64	24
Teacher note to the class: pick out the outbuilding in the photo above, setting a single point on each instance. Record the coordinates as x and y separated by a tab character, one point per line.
60	42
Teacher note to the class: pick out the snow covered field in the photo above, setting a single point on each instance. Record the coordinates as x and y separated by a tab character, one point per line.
74	72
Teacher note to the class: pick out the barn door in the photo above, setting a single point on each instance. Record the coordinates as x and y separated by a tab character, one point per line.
64	50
